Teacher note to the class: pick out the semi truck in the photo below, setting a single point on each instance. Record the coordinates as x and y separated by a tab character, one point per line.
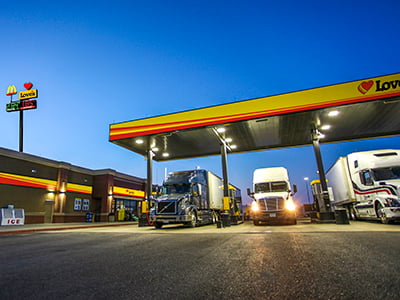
195	197
367	184
273	197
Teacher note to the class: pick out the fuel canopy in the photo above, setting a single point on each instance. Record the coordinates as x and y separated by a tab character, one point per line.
359	109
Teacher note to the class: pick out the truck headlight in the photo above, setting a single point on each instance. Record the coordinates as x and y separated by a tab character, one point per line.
392	202
254	206
290	206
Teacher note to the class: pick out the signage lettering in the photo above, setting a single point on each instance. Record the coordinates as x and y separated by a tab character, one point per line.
28	104
21	105
28	94
12	106
387	85
365	86
13	221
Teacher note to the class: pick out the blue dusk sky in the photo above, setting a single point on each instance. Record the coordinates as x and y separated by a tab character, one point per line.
101	62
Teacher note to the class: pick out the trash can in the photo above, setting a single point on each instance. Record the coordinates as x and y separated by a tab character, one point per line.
341	216
219	224
89	217
226	220
111	217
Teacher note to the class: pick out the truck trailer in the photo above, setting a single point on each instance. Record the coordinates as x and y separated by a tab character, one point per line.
193	198
367	184
273	197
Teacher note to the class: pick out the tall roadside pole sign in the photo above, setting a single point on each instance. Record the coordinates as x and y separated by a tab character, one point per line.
25	101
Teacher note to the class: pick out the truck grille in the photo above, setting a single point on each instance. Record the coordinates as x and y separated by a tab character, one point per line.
166	207
271	204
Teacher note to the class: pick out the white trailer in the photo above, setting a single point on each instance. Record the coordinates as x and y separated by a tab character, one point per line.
273	201
367	184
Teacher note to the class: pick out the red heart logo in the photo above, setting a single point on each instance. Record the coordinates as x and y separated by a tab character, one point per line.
28	85
365	86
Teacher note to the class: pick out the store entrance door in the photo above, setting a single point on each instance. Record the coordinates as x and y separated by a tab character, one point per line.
96	206
48	211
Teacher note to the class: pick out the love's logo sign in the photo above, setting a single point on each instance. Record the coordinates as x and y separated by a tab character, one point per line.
365	86
28	85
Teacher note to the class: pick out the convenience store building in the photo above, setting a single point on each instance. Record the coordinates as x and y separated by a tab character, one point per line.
58	192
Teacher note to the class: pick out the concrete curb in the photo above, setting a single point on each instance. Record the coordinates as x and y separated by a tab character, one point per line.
63	226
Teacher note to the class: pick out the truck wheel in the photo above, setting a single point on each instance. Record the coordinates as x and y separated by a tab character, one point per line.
353	213
193	219
158	225
214	217
380	213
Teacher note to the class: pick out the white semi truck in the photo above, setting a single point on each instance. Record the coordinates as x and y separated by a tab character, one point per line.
367	184
273	197
195	197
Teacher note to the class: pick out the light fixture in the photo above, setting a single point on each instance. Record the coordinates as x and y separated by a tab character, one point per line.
155	149
221	129
333	113
139	141
165	154
233	146
308	194
228	140
326	127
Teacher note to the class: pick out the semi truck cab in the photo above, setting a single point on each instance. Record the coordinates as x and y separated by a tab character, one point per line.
273	198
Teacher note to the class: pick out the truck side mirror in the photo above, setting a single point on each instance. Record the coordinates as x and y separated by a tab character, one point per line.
251	194
248	192
197	189
294	189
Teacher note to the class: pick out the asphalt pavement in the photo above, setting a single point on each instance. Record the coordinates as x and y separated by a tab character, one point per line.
113	261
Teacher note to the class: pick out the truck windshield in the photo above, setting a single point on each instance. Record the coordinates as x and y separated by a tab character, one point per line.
268	187
386	173
176	188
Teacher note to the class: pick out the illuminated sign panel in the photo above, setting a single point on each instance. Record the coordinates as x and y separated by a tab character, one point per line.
127	192
328	96
21	105
26	102
28	94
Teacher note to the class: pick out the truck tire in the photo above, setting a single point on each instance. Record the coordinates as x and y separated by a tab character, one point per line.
193	219
158	225
214	217
353	213
381	214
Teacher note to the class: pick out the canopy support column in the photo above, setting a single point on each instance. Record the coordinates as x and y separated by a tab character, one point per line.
325	211
146	204
226	218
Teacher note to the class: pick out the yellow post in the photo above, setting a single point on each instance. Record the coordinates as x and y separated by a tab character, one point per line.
227	203
144	207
